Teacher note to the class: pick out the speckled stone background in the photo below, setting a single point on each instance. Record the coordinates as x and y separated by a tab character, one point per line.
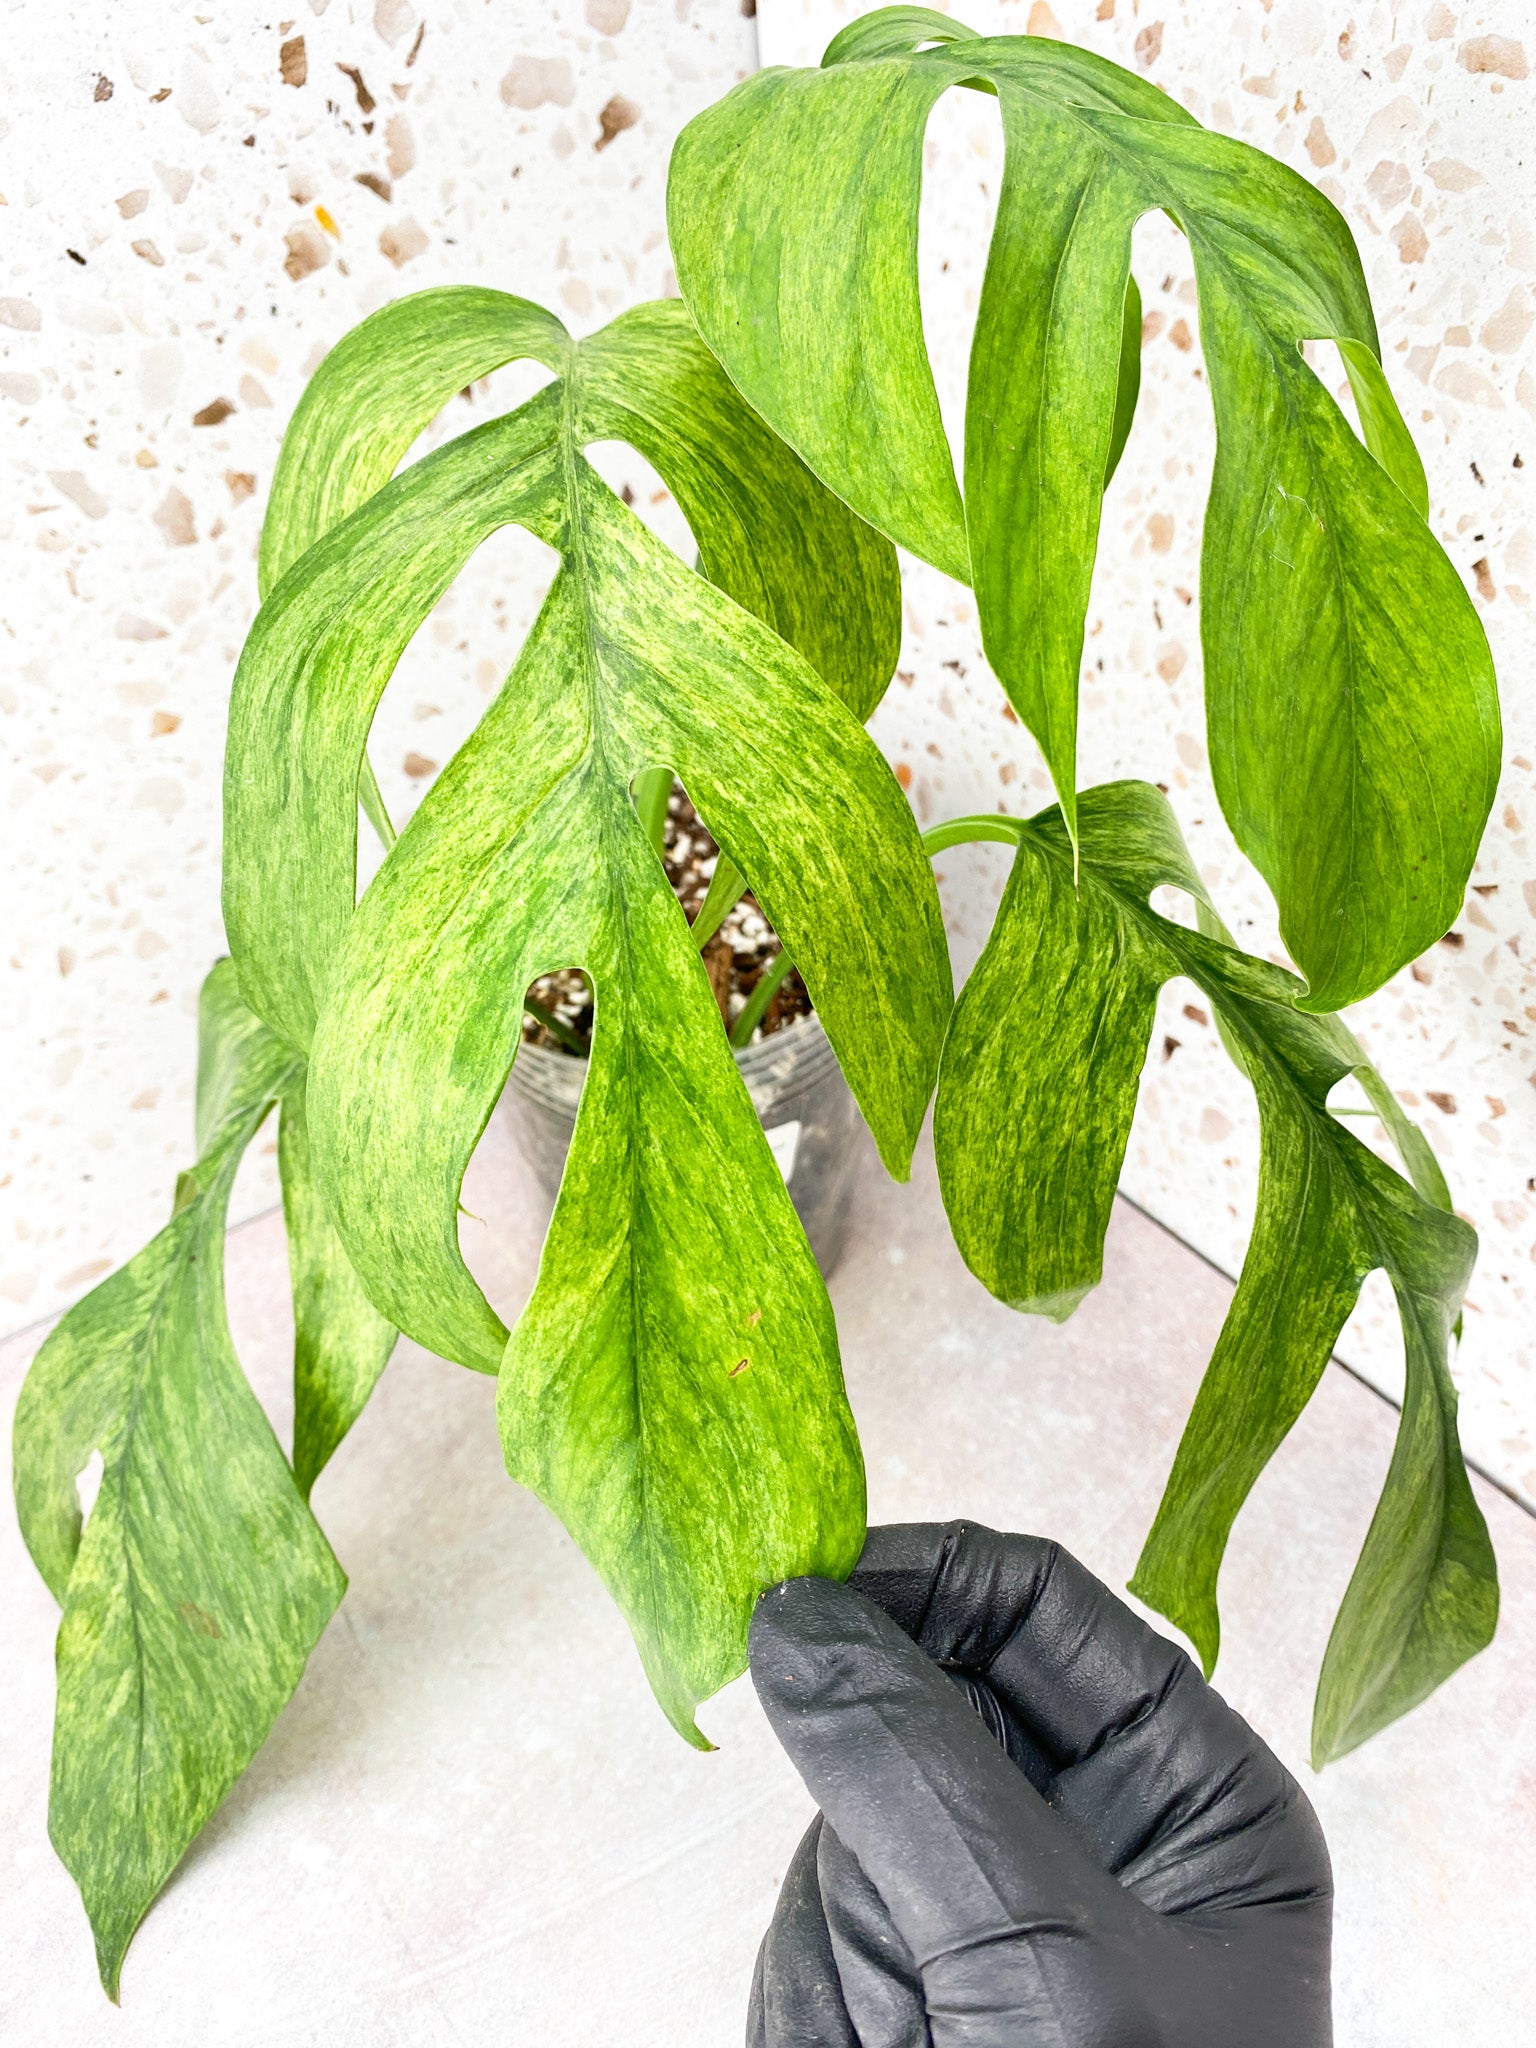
1416	121
197	201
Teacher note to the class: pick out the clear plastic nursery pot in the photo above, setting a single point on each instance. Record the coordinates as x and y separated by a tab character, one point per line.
797	1089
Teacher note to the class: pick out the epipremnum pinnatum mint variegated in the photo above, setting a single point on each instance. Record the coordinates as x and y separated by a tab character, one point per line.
1352	720
1351	713
673	1387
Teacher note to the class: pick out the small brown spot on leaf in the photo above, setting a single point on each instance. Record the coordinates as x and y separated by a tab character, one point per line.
738	1368
754	1319
418	766
199	1620
213	413
614	118
293	61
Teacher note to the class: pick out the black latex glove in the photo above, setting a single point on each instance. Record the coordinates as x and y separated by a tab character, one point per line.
1107	1858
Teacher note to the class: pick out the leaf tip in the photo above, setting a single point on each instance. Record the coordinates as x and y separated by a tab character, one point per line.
1199	1624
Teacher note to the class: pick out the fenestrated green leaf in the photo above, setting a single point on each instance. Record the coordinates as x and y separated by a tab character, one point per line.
805	296
1350	700
374	393
1035	1099
340	1341
769	535
692	1477
200	1582
311	673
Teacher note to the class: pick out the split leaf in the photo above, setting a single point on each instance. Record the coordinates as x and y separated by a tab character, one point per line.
673	1389
1034	1107
1350	700
199	1582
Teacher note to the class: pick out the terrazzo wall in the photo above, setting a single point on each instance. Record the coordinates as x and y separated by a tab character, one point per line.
1416	120
198	201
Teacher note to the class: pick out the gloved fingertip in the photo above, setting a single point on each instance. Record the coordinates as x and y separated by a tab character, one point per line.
805	1635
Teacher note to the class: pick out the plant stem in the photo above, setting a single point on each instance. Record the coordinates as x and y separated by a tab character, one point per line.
726	888
757	1003
557	1027
957	831
652	789
371	798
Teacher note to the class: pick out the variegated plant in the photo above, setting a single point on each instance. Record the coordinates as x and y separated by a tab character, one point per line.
673	1387
1350	707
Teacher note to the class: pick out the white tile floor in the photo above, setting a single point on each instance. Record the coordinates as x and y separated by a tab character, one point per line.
472	1826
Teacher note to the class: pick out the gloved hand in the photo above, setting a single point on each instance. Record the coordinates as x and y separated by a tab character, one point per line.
1091	1850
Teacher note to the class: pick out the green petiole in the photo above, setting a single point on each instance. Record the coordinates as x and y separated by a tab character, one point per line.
960	831
757	1003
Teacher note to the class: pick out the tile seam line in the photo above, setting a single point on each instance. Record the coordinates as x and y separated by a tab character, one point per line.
1510	1493
1502	1486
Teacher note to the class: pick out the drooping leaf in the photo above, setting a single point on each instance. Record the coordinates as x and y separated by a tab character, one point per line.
678	1355
200	1582
376	390
1035	1099
1352	715
341	1343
